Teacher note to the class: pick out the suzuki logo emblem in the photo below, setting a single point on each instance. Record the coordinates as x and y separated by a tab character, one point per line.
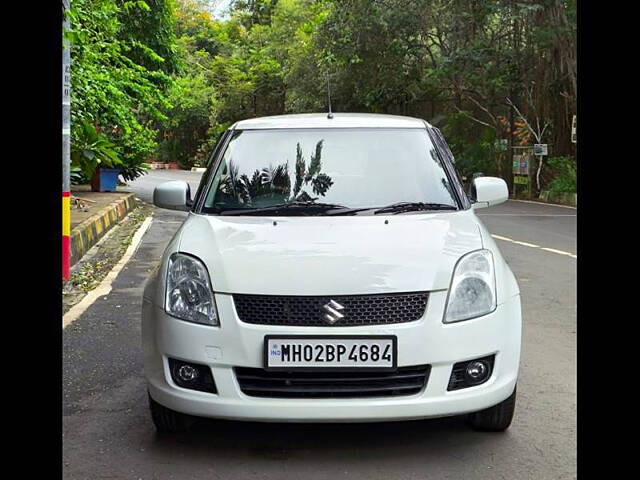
333	312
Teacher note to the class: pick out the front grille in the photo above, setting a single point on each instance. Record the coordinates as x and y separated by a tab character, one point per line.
257	382
379	309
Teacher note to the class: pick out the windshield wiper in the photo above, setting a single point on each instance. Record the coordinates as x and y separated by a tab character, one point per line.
310	207
402	207
305	207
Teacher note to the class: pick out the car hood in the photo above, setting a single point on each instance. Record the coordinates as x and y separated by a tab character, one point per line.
324	255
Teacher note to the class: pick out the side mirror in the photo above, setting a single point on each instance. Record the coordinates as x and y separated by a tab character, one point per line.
489	191
471	189
174	195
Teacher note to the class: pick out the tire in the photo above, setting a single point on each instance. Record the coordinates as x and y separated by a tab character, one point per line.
167	420
496	418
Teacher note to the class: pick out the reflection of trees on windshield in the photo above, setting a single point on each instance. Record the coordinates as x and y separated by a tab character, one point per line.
270	183
274	183
320	182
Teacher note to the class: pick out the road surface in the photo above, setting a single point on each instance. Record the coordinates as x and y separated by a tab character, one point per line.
107	431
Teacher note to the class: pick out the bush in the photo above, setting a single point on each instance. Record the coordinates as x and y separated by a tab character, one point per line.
564	169
131	172
120	81
473	146
77	177
91	149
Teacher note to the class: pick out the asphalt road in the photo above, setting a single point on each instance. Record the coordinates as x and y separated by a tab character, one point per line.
143	186
107	431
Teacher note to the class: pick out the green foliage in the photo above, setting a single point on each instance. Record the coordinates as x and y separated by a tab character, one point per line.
77	177
91	150
188	120
255	63
164	78
117	80
474	146
149	29
254	12
376	54
565	180
131	172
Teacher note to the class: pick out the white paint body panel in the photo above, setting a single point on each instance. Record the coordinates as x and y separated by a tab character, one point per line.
490	191
324	256
339	120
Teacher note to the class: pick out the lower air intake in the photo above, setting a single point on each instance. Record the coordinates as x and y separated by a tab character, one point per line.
257	382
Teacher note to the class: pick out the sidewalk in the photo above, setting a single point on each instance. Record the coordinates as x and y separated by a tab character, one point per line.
97	213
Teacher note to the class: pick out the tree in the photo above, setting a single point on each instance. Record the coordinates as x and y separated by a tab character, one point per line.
122	98
452	62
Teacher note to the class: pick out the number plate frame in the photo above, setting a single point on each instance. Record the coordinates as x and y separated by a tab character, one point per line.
394	357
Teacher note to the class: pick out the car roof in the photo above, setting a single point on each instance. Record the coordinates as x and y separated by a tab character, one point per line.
339	120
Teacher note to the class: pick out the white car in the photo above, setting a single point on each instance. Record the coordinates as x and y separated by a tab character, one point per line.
331	269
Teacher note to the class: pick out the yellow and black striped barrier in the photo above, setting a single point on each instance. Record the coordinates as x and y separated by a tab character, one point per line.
86	234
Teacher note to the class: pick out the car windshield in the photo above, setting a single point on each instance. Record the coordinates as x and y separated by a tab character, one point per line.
329	171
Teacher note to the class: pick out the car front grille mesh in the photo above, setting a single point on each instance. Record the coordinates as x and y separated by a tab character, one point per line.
257	382
378	309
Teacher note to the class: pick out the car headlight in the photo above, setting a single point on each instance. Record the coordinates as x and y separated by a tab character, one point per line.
189	295
473	287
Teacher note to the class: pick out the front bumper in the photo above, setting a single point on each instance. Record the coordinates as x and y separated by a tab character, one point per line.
427	341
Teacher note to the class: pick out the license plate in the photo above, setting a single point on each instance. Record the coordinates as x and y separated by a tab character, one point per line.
330	352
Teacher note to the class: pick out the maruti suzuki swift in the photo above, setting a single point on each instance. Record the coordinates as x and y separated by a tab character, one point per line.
331	269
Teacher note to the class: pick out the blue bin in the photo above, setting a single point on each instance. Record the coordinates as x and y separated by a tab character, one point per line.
108	179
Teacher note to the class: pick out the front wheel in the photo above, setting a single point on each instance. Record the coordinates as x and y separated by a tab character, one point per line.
496	418
167	420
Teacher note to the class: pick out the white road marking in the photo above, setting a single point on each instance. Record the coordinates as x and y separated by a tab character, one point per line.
533	245
105	286
525	244
543	203
559	252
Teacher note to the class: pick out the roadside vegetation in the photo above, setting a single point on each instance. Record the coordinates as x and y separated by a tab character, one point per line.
159	80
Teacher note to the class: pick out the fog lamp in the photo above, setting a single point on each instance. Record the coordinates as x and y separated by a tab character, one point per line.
187	373
476	371
192	376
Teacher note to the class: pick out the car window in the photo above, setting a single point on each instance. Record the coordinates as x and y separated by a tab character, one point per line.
445	151
208	172
355	168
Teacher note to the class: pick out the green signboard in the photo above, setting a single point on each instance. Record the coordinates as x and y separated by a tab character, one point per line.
520	180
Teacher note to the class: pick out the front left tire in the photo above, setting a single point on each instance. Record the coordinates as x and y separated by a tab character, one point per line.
167	420
496	418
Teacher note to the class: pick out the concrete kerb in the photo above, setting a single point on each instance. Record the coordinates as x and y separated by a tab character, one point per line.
559	198
86	234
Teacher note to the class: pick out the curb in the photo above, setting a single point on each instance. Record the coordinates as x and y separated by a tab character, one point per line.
560	198
163	166
198	169
86	234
